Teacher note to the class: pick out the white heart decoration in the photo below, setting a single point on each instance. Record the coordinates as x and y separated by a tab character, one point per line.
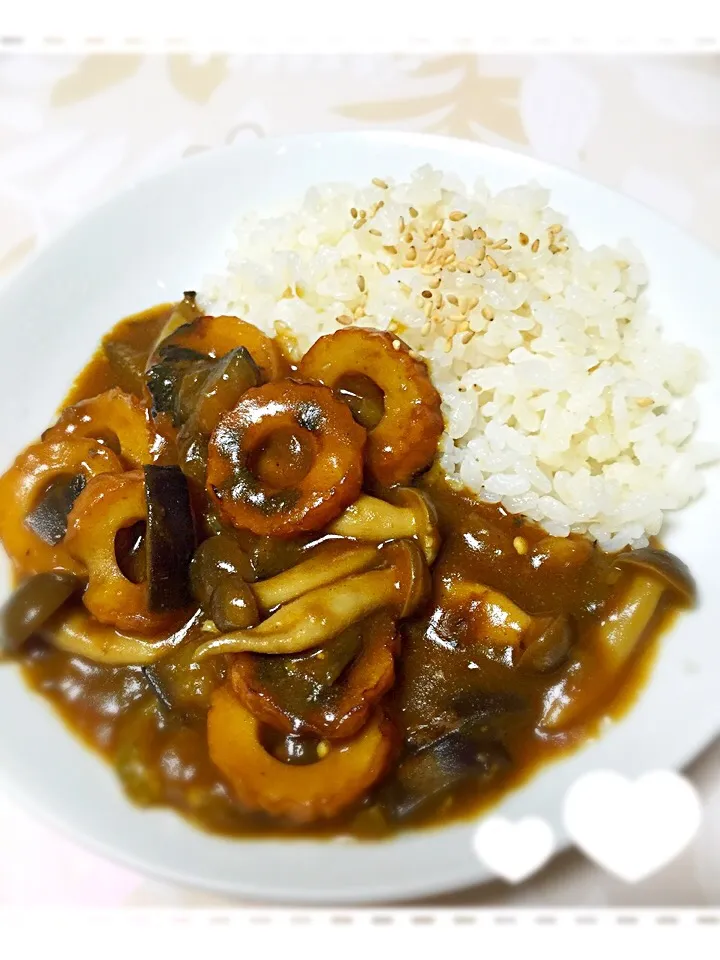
632	829
514	850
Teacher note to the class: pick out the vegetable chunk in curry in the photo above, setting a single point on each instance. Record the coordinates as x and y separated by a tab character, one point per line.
248	585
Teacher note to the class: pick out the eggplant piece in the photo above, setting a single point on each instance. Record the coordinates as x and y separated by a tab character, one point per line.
48	520
434	770
170	538
222	388
127	363
31	606
175	381
183	686
324	667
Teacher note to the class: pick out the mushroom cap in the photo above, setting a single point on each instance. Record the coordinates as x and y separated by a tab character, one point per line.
662	565
426	518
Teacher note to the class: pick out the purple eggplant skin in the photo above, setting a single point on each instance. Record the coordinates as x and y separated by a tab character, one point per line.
170	538
48	520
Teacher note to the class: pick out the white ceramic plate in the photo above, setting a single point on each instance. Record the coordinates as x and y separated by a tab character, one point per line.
162	237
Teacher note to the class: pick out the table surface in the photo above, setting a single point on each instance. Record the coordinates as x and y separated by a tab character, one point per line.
71	134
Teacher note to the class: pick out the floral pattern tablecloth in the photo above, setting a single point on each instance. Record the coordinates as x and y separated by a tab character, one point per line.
74	129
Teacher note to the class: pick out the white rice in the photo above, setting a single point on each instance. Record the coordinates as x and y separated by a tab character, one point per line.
566	406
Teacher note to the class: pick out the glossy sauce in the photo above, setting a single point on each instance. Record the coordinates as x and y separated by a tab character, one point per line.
160	750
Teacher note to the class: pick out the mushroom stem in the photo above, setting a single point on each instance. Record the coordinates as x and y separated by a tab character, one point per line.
620	631
618	636
370	518
313	618
325	566
81	635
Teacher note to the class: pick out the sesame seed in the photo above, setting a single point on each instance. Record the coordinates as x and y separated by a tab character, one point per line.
360	222
535	246
451	298
359	312
353	212
396	344
451	268
287	293
488	313
471	304
504	270
467	337
374	232
361	283
496	244
480	254
434	283
362	213
299	290
401	224
344	320
426	327
524	239
555	228
511	277
385	270
505	246
427	294
553	248
390	248
379	204
479	233
479	272
380	183
448	345
457	215
492	261
413	212
427	307
408	236
467	232
644	401
404	287
441	241
521	545
411	254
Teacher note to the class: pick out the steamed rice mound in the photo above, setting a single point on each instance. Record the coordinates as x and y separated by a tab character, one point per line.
561	399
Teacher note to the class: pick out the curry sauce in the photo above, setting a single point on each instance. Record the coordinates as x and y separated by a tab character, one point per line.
451	685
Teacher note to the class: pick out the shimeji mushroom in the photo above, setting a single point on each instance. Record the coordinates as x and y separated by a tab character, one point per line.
370	518
330	562
400	583
650	575
80	634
